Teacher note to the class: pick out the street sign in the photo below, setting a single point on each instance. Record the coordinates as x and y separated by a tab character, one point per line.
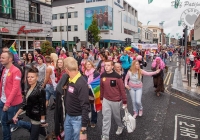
194	43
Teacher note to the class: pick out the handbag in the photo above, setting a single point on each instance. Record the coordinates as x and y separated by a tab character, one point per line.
129	121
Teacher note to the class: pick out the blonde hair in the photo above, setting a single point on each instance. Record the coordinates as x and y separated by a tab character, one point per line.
54	58
71	64
89	61
133	69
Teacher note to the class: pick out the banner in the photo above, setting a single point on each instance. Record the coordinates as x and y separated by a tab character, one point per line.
6	6
140	46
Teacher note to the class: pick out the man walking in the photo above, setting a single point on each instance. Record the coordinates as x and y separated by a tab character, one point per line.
112	92
10	92
76	103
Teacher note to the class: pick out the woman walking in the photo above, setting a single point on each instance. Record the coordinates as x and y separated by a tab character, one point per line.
34	105
59	70
41	66
158	78
91	74
134	76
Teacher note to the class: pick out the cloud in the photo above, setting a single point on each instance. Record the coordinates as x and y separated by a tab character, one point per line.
162	10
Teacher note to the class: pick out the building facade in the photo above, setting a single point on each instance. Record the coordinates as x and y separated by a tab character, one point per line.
197	30
116	19
26	22
158	34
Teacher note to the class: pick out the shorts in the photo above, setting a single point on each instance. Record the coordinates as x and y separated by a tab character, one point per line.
50	91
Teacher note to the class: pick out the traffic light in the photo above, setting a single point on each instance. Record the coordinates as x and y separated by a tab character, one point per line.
184	36
180	42
129	41
90	36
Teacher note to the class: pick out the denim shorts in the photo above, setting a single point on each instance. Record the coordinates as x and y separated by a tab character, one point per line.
50	91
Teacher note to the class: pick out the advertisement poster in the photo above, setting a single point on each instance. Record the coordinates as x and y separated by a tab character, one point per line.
103	15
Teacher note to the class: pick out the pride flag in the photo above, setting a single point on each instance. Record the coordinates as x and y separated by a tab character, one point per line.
14	52
95	87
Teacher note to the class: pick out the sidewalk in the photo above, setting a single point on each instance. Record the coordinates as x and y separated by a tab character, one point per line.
180	85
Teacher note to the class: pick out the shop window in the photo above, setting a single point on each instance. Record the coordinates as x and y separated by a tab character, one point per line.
61	28
75	14
75	27
69	28
62	16
55	29
54	16
69	15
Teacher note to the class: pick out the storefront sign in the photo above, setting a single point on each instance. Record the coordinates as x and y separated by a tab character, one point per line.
21	30
4	30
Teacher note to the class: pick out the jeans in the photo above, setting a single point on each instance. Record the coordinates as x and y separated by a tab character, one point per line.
5	117
50	91
72	127
94	114
136	96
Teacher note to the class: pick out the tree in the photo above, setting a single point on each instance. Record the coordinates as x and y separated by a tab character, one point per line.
46	48
95	31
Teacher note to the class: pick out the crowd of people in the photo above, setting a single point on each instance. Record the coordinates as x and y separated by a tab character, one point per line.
27	85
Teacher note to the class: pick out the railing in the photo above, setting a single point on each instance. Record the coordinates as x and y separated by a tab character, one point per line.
18	14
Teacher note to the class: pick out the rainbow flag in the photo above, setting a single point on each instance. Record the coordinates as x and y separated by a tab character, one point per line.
95	86
14	52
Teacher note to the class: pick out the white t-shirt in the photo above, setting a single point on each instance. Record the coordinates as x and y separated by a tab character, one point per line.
191	57
3	95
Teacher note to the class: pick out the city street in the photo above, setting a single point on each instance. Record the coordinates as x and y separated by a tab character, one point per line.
166	117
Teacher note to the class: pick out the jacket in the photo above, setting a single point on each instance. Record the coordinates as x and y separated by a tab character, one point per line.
12	87
197	66
34	105
126	61
59	109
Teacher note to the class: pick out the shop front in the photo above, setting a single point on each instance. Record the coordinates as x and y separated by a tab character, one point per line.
26	40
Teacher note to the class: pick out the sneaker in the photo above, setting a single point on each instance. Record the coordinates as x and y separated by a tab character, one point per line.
104	138
140	113
93	125
135	114
13	128
119	130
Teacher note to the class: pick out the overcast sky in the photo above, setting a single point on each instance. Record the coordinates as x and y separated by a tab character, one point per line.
161	10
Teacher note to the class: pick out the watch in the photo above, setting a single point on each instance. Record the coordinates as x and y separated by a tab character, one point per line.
83	132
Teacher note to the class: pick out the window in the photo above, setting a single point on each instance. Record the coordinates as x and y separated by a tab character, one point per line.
69	28
155	35
55	29
75	27
54	16
61	28
33	12
154	30
62	16
69	15
75	14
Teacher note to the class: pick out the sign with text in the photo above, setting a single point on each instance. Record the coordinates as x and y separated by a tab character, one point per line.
22	30
4	30
186	127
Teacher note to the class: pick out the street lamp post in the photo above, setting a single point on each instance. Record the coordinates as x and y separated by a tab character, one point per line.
68	7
